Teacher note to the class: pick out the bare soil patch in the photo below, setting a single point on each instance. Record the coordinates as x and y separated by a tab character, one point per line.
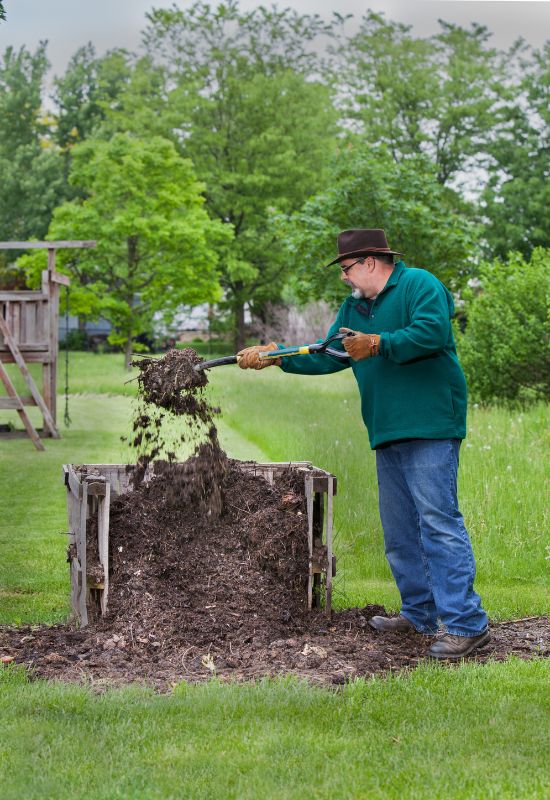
327	652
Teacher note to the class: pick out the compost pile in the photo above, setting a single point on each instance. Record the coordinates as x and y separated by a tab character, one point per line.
203	551
209	569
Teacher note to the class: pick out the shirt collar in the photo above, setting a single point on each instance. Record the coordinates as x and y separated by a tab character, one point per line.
396	274
397	271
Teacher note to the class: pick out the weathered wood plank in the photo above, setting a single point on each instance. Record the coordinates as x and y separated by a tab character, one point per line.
31	356
27	399
103	515
53	307
40	326
57	277
321	483
26	346
97	488
12	402
81	555
318	513
21	296
309	503
329	522
20	322
30	312
46	245
46	283
15	318
76	583
10	388
72	480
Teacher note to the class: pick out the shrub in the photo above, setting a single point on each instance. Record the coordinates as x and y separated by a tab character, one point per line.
505	349
75	340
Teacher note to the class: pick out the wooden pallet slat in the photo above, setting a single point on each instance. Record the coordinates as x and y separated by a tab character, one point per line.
329	522
309	504
81	556
103	542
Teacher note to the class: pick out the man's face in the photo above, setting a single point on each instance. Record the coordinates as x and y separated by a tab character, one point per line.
359	275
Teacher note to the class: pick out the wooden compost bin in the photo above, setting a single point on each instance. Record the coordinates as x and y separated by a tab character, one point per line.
89	491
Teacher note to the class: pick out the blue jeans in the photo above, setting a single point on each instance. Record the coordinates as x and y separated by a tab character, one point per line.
427	544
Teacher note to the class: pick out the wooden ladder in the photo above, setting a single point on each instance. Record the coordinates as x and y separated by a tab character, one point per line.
37	397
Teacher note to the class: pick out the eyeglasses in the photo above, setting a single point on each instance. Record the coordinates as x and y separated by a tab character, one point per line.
345	270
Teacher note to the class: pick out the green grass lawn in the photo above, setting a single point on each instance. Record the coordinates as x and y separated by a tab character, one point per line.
472	732
467	732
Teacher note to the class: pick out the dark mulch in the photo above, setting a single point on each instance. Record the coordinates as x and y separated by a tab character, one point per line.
323	652
209	571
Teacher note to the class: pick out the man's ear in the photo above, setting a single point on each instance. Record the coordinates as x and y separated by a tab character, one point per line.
370	262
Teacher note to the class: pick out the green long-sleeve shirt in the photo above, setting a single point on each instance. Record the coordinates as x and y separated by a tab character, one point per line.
415	387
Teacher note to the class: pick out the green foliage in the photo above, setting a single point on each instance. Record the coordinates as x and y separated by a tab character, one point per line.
2	11
75	340
141	104
257	126
517	196
248	97
505	349
88	89
438	95
156	246
370	189
30	166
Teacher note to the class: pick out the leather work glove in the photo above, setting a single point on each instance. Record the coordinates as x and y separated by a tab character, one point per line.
249	359
361	345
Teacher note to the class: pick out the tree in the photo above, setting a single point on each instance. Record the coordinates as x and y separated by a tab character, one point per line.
2	11
87	90
141	105
369	189
516	200
505	349
440	96
156	244
32	177
258	126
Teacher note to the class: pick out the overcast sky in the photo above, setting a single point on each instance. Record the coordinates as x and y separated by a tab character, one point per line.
68	24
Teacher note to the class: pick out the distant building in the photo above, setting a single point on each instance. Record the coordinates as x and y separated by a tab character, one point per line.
96	331
188	323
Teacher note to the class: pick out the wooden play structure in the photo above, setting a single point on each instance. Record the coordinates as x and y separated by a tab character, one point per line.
29	326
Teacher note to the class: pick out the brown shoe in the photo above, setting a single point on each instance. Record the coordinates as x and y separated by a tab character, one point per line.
455	647
391	624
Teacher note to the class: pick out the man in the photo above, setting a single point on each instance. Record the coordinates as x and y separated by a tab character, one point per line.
413	401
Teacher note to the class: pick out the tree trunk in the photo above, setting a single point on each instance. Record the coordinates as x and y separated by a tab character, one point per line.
128	353
240	331
133	259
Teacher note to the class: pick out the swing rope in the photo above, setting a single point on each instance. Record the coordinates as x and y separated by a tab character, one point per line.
66	417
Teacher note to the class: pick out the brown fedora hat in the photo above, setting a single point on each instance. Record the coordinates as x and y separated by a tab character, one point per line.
362	242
